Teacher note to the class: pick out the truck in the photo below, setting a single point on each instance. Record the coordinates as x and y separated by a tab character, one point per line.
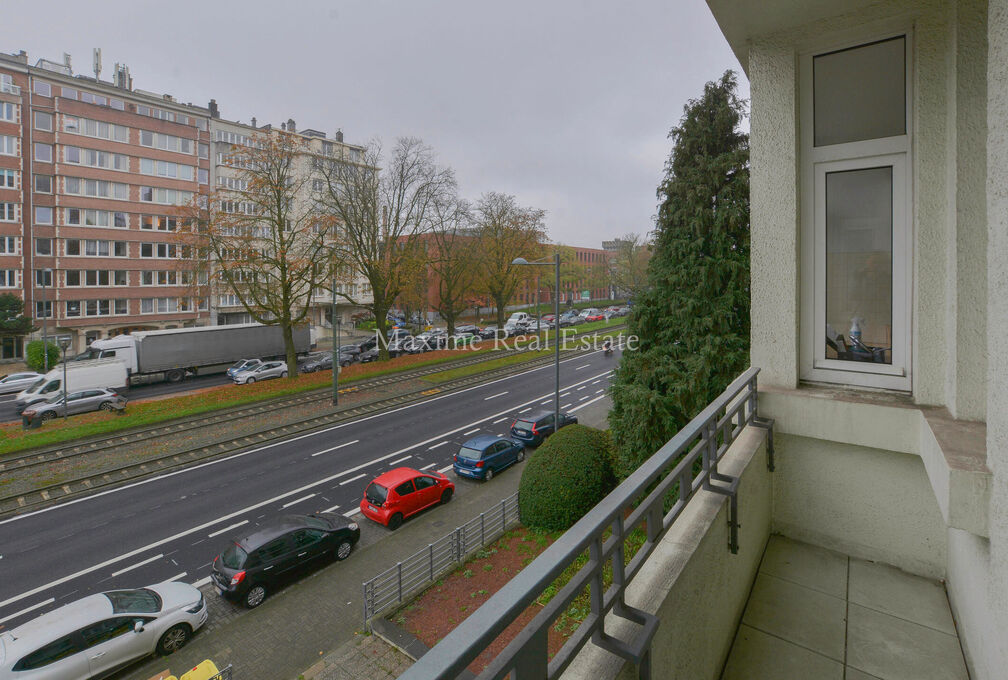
80	375
179	352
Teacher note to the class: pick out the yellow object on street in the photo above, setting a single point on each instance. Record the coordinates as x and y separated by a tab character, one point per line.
204	670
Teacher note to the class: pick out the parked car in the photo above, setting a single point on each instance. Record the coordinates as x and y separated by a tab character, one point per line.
404	344
99	634
596	316
83	401
571	319
243	365
251	567
15	382
466	329
484	456
492	331
368	355
531	429
350	350
265	371
397	494
323	362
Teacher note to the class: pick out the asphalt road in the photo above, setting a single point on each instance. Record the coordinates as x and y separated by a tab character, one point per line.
171	527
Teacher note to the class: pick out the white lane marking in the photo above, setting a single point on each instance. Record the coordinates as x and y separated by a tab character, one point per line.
352	513
599	391
580	367
399	460
584	397
255	506
565	406
543	403
28	609
431	448
176	577
525	410
499	420
202	582
352	479
280	443
335	507
446	468
319	453
499	434
581	388
476	429
494	396
428	467
596	382
138	564
579	406
227	529
565	394
303	498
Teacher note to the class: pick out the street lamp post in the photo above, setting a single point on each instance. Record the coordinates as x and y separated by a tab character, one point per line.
336	322
65	344
556	320
45	317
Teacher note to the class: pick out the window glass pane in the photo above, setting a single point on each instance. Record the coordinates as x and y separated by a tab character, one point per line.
860	93
859	231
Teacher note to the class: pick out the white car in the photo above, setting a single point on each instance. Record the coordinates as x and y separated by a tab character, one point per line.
15	382
99	634
264	371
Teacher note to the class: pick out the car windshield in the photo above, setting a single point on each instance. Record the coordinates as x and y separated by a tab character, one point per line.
376	493
469	453
58	399
141	601
241	363
233	557
35	385
525	424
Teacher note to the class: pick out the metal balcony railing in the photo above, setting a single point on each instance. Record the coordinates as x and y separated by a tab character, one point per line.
10	88
669	478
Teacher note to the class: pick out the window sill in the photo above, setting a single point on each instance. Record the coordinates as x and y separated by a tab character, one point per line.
954	452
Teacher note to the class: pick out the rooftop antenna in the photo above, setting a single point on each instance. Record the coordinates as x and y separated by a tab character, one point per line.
97	62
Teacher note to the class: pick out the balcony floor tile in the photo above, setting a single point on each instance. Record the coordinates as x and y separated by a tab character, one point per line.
807	565
756	655
889	590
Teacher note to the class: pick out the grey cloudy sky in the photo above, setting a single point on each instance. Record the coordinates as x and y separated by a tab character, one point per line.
566	104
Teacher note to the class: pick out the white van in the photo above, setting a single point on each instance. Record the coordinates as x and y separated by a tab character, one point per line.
81	375
518	318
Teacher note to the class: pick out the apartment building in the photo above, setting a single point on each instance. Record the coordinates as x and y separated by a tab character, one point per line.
591	283
91	173
227	136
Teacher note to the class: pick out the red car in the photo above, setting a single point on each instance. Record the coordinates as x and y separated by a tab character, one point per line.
397	494
595	317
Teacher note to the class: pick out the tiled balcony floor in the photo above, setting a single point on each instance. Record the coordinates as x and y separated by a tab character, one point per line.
814	613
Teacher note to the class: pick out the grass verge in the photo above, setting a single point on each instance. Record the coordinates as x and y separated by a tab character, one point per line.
465	371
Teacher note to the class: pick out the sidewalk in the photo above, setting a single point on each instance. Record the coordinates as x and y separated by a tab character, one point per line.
312	629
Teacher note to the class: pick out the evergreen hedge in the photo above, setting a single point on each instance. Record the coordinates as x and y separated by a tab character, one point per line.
566	477
34	358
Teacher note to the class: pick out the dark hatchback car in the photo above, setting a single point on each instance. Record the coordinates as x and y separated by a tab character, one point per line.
532	428
251	567
483	456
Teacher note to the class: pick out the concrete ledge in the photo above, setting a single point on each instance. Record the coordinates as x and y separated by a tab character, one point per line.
955	457
692	582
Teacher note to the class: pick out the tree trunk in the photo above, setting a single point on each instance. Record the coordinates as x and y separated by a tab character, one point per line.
381	326
501	310
450	319
288	336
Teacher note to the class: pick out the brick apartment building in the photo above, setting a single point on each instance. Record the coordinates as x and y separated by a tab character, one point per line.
592	263
91	175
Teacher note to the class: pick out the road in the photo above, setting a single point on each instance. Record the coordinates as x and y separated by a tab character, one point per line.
171	527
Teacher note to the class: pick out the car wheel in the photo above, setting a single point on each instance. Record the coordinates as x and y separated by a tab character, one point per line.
106	406
343	550
395	521
489	474
255	596
284	374
521	455
250	381
173	640
446	496
175	375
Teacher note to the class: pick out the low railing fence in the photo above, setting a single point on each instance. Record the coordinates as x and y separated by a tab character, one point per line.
651	500
396	585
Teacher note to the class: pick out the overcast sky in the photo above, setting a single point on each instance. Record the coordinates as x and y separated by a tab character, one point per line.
565	104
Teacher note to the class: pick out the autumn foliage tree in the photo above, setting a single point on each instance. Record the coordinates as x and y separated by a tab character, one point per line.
382	213
264	240
454	254
506	231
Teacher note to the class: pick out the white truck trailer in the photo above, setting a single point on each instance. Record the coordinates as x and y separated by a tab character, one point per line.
178	352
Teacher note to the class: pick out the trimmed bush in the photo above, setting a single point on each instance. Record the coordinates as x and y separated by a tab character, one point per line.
33	356
566	477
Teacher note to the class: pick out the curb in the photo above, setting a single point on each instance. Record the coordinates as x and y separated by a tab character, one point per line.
406	642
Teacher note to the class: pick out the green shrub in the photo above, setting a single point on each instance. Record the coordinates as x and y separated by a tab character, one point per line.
565	478
33	355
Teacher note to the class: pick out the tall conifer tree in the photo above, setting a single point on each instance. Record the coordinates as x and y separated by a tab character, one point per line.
693	319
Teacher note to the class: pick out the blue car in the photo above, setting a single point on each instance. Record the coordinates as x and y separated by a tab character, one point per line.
483	456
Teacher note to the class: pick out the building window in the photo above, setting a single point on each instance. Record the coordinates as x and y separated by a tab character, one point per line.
42	89
8	145
8	278
43	246
204	150
43	152
43	121
8	179
69	93
204	175
8	212
11	347
43	214
856	248
43	310
43	277
8	245
43	183
8	112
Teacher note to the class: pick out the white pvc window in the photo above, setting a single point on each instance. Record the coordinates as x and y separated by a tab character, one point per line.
856	215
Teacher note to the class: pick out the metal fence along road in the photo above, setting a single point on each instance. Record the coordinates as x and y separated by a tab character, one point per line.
394	586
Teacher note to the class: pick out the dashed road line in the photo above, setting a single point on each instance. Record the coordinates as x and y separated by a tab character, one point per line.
335	507
580	367
303	498
28	609
472	431
319	453
499	420
202	582
494	396
446	468
176	577
431	448
138	564
399	460
352	479
226	529
525	410
428	467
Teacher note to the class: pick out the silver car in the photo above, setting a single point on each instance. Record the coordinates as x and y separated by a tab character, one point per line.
99	634
84	401
15	382
243	365
265	371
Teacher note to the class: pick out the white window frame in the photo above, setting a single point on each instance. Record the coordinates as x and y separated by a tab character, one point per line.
816	162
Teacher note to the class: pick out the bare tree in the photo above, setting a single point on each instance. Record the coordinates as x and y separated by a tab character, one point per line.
263	239
572	272
382	214
506	231
628	266
453	255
